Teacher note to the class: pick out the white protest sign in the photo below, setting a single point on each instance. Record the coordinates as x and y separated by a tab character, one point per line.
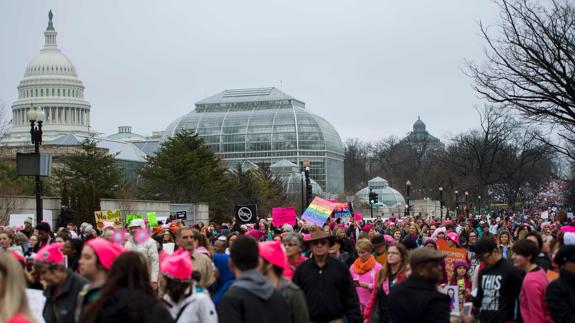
18	219
36	301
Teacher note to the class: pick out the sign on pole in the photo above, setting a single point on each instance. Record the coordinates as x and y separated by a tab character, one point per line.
246	213
283	215
318	211
181	215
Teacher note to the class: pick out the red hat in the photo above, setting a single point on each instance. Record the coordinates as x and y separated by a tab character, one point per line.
177	266
51	255
18	257
106	251
274	252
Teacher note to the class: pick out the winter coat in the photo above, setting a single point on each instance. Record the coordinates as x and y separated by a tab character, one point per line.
133	306
253	299
532	298
329	291
226	277
150	252
61	303
416	300
377	310
296	301
192	308
370	278
560	297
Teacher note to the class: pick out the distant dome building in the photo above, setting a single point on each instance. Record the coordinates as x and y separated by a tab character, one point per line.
125	134
265	125
292	178
387	195
421	140
50	83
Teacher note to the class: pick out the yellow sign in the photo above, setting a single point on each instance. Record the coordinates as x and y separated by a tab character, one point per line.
108	216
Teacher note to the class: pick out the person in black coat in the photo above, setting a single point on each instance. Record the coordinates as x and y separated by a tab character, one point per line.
416	299
251	298
560	295
127	295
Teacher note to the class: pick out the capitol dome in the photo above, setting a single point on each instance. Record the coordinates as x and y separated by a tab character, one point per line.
265	125
50	83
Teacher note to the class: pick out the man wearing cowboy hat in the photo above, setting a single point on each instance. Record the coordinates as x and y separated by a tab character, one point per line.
327	284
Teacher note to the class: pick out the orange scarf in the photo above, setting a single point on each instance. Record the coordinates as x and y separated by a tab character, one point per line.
361	267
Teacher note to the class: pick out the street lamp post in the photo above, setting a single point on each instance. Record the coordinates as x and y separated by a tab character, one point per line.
467	203
456	202
36	118
407	189
441	204
479	204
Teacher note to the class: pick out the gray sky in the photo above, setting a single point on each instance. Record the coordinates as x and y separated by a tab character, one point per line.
368	67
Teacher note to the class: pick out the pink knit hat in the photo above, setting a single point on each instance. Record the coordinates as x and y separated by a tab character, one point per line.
453	237
51	255
177	266
274	253
106	251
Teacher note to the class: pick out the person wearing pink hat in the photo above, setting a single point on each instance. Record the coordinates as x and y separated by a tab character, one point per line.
273	263
62	285
452	239
97	257
184	304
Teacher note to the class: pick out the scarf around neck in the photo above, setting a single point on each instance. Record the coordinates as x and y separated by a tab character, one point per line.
361	267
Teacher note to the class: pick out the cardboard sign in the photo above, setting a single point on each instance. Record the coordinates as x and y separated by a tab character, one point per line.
152	219
453	293
246	213
452	255
318	211
109	215
283	215
131	217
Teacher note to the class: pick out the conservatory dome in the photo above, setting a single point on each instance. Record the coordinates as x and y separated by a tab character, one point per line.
265	125
387	195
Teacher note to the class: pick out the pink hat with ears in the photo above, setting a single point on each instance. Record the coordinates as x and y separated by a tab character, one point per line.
106	251
177	266
274	252
51	255
453	237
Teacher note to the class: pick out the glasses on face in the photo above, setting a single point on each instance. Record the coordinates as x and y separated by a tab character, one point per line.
319	242
290	244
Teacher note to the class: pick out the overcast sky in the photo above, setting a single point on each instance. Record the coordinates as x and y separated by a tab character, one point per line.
368	67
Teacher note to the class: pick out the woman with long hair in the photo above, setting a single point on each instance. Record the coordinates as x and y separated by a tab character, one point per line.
13	300
393	273
505	244
127	295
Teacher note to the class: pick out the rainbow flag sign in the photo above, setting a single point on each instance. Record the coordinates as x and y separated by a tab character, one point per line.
318	211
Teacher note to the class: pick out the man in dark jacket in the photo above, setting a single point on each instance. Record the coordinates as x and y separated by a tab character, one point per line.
327	284
499	285
416	299
251	298
63	285
560	295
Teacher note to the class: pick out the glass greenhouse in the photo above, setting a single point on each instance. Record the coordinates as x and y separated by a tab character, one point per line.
265	126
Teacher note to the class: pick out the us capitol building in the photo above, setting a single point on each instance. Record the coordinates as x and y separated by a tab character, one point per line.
254	126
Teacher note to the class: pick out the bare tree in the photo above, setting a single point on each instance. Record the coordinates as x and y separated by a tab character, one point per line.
5	120
530	65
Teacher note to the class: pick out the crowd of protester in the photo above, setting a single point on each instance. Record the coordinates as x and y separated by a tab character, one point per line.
517	268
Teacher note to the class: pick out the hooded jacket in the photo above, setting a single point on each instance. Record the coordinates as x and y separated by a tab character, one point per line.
251	298
226	277
192	308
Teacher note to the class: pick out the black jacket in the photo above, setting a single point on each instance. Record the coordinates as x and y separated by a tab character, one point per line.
560	297
133	306
498	292
329	291
416	300
60	305
252	299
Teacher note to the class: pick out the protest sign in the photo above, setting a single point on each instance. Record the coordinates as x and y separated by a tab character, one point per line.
357	216
36	301
283	215
152	219
453	293
318	211
545	215
131	217
342	210
18	219
109	215
246	213
452	255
